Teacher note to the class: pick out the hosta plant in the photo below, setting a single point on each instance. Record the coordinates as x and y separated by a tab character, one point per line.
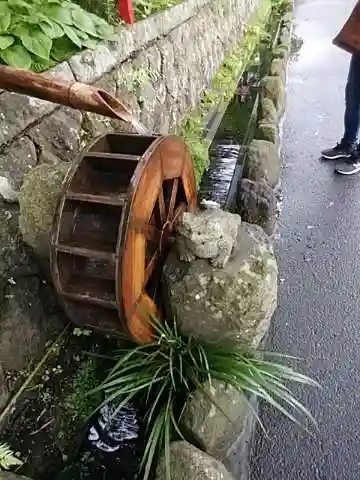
36	34
7	458
164	372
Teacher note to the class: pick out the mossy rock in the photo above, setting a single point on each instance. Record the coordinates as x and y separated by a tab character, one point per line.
189	463
38	199
263	163
274	89
269	132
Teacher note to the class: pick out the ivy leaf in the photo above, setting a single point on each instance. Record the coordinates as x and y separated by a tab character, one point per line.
83	21
5	20
16	56
35	41
61	15
52	29
6	41
71	33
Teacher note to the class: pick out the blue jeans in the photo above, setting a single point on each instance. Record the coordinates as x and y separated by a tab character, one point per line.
352	102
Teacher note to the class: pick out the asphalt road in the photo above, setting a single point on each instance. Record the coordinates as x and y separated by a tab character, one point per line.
318	317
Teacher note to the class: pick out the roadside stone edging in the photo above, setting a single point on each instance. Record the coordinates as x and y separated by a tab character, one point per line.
257	190
234	303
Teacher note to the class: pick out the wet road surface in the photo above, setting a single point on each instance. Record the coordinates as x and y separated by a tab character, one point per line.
318	317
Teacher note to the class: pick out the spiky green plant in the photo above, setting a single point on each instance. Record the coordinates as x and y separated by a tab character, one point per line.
165	371
7	458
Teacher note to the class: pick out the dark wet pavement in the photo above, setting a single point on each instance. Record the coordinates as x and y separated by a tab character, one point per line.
318	317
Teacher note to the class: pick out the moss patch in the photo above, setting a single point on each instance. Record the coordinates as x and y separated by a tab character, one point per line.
78	406
223	87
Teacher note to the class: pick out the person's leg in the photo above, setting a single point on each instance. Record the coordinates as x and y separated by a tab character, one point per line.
346	147
352	102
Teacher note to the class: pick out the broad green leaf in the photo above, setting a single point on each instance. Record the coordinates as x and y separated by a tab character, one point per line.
16	56
90	43
81	34
71	33
5	21
35	40
4	7
104	31
6	41
52	29
19	4
82	21
35	18
40	65
61	15
62	49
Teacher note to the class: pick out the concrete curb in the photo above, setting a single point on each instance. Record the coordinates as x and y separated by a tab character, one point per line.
258	189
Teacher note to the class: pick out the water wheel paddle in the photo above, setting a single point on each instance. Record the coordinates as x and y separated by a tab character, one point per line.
113	228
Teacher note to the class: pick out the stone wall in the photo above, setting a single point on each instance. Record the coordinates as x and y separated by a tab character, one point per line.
160	66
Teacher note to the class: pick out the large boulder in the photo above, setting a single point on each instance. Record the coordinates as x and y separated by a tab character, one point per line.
256	203
263	163
235	302
38	198
189	463
223	428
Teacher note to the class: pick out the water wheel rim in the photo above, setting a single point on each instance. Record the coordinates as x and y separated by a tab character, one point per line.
167	162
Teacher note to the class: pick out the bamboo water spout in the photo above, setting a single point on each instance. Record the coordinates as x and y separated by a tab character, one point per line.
75	95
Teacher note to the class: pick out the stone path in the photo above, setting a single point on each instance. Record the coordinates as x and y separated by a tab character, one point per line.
319	251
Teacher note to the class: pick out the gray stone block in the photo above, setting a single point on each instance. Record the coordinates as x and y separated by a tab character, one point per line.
17	160
278	68
263	162
267	111
189	463
59	133
272	87
268	132
90	65
256	203
223	429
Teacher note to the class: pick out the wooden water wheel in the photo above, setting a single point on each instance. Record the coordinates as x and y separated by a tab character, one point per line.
113	228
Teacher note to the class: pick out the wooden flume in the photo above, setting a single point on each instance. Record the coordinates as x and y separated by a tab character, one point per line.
116	216
349	37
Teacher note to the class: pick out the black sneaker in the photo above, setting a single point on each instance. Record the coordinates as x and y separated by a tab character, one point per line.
340	151
349	167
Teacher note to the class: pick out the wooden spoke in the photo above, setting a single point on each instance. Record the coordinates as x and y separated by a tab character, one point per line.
150	267
174	191
162	207
177	214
